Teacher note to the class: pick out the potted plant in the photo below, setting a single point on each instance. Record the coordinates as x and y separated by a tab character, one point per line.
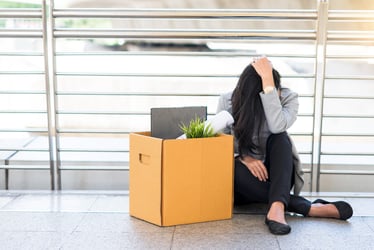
197	128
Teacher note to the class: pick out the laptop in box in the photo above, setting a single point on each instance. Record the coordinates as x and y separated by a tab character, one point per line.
165	122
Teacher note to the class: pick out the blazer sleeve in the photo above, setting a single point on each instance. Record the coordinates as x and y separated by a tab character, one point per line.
221	104
280	113
224	104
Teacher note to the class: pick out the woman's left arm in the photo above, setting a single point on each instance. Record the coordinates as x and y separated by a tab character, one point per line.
280	114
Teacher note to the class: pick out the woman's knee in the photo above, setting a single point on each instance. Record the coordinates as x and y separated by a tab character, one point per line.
279	139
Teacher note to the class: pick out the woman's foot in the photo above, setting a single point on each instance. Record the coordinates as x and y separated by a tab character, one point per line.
276	212
338	209
276	220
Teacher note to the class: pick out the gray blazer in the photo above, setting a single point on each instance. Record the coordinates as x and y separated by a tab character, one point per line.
281	113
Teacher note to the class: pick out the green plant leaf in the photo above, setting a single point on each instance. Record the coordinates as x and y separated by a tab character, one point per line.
197	129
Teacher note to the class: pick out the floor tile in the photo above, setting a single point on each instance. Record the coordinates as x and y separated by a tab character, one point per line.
223	241
92	241
238	224
39	222
147	241
111	203
318	226
32	240
369	221
362	206
116	240
51	202
74	203
323	242
117	222
79	220
5	200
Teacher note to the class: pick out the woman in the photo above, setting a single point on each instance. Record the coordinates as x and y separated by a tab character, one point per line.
266	163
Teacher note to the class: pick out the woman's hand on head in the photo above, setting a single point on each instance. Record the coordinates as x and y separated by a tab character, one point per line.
264	69
256	167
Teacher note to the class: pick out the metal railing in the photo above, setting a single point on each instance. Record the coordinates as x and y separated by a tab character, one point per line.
343	36
317	33
36	16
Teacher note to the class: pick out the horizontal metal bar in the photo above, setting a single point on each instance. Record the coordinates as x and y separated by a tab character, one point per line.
351	15
114	131
350	36
346	153
133	94
347	135
20	13
352	42
125	167
21	72
185	13
25	167
67	93
106	113
100	113
20	33
66	112
25	149
349	97
301	134
349	77
168	75
23	111
92	131
246	54
92	150
305	114
186	34
26	53
72	150
22	93
31	130
305	152
351	134
351	57
350	116
347	172
307	171
145	75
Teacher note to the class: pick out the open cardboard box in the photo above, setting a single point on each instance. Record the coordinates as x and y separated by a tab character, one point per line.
181	181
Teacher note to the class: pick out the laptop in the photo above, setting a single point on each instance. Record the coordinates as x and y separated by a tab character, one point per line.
165	122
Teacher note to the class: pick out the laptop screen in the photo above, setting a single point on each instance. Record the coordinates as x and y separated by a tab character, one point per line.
165	122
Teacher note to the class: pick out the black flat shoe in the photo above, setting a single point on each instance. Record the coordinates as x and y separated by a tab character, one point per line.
277	227
345	210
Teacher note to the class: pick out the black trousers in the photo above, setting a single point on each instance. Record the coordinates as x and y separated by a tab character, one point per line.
279	164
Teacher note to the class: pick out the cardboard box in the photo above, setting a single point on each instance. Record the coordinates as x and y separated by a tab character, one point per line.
181	181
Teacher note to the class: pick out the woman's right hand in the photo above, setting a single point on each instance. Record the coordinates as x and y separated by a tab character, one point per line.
264	69
256	167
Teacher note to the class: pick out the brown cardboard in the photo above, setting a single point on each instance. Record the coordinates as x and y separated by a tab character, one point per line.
183	181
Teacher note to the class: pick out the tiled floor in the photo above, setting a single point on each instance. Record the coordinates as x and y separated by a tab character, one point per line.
100	220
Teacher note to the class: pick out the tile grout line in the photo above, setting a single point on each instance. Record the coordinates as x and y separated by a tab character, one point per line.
93	203
279	247
363	219
172	238
3	208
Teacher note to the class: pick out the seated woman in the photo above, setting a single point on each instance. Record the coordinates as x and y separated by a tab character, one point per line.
266	163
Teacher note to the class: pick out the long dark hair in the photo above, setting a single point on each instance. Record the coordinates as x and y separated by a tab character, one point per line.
247	109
